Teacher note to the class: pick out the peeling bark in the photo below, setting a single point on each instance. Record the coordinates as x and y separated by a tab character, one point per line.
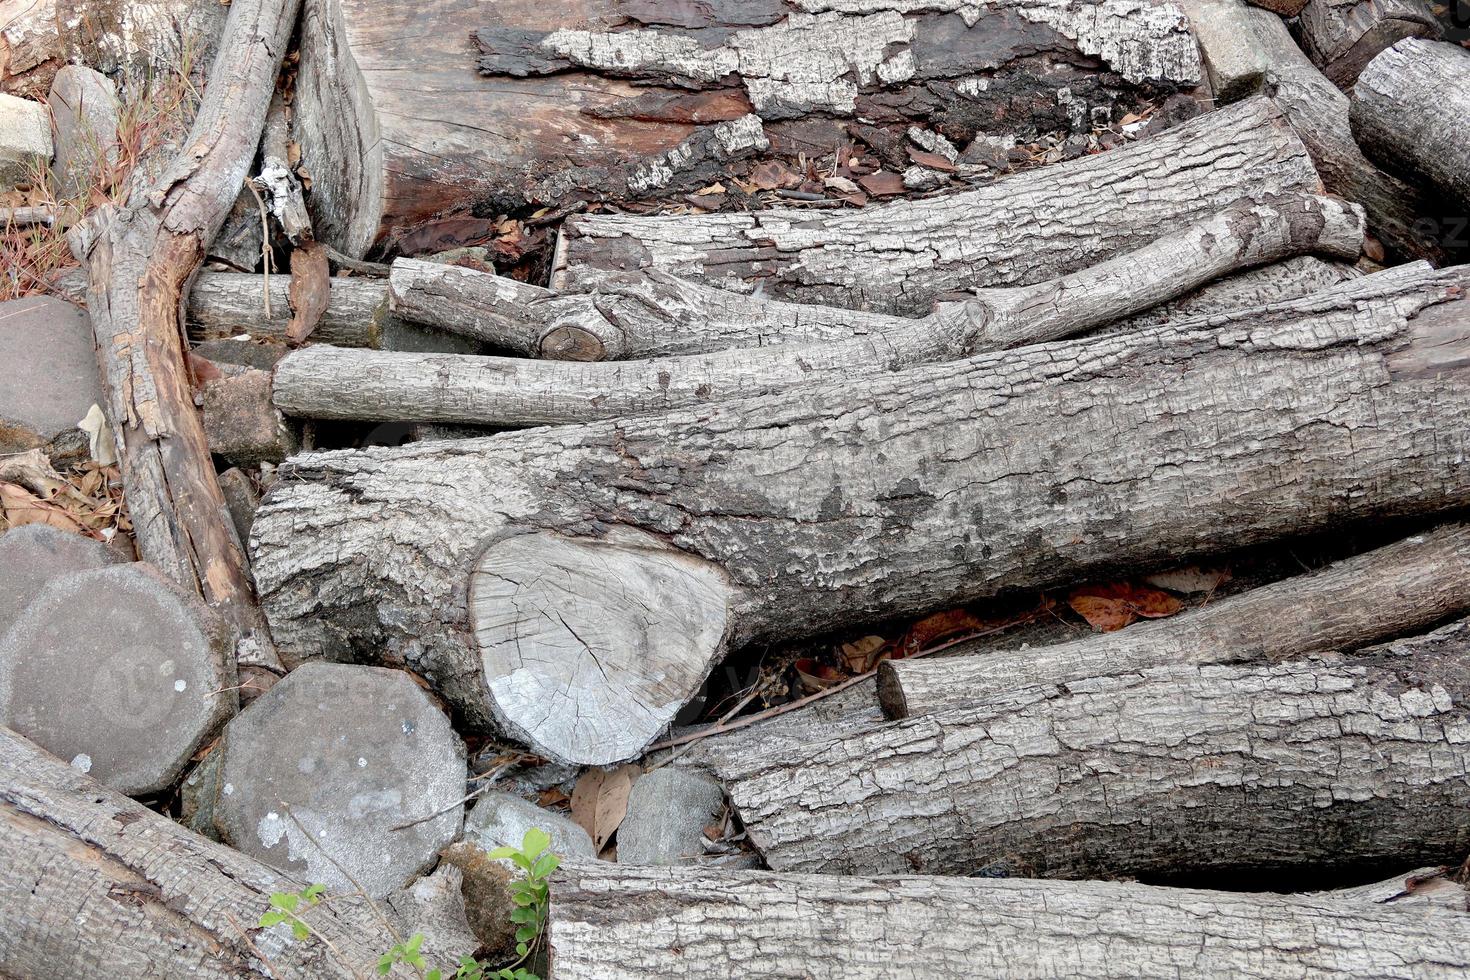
330	383
1342	36
857	500
899	258
1409	111
94	884
1402	588
1397	211
610	922
1321	763
140	259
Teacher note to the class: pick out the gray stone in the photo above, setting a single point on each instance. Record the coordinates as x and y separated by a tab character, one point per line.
84	117
25	141
32	556
240	422
120	673
1233	58
917	178
48	377
435	906
667	813
241	499
199	794
502	819
321	769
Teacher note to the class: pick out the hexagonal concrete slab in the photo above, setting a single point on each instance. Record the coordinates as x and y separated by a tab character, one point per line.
321	770
48	377
118	672
32	556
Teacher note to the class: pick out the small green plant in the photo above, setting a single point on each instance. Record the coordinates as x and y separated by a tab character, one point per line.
531	894
284	906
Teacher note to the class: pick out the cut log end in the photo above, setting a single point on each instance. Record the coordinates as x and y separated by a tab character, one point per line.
570	342
589	647
890	692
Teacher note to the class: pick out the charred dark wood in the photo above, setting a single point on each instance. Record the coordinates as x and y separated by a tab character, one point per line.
827	505
1342	36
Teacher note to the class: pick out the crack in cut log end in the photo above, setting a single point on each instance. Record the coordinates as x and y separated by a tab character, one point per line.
589	647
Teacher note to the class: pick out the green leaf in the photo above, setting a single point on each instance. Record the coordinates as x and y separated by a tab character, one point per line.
523	898
525	934
385	963
520	861
503	852
415	943
313	893
545	865
522	949
273	918
535	841
433	975
299	930
523	916
285	900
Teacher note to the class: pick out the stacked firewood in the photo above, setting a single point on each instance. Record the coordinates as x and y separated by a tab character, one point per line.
714	430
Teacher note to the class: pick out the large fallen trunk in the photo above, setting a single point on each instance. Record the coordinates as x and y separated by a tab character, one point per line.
334	383
1409	111
1342	36
610	921
1402	588
1275	283
1319	763
899	258
627	100
94	884
140	259
1399	214
859	500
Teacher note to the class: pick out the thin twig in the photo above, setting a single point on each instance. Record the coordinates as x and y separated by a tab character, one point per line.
375	269
265	247
721	727
475	795
259	953
755	689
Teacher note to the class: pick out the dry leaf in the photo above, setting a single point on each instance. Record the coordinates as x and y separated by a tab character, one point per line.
1190	580
600	801
882	184
858	655
1114	605
32	470
104	451
23	507
816	676
552	798
931	160
310	291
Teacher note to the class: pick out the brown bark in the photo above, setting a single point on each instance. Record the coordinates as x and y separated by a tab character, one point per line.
140	259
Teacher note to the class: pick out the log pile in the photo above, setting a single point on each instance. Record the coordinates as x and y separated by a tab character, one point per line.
966	501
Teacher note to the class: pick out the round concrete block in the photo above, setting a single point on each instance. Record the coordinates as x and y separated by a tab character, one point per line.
119	673
320	770
32	556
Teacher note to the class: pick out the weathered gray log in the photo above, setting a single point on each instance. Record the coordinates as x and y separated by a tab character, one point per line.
1409	112
806	76
94	884
334	383
610	922
1275	283
1342	36
1402	588
856	500
900	258
1318	763
139	260
1397	211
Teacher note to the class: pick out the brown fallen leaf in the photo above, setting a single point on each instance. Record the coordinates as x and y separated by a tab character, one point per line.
931	160
23	507
858	656
552	798
774	174
310	290
1190	580
1113	605
882	184
600	801
816	676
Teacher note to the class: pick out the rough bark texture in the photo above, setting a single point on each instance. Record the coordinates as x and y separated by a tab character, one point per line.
333	383
1342	36
858	500
610	922
1317	763
899	258
94	884
1403	588
648	100
1409	111
140	259
1275	283
1399	214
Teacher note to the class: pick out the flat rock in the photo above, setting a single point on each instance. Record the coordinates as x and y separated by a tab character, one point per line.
320	769
84	118
118	672
668	810
502	819
48	376
240	422
32	556
1234	60
25	141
